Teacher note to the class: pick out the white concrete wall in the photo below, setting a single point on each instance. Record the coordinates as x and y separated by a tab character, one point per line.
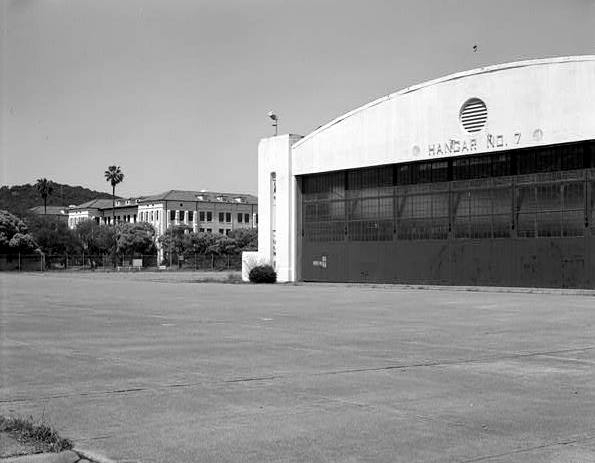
77	216
529	103
274	156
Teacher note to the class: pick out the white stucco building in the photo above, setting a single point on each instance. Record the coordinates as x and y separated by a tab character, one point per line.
203	211
480	177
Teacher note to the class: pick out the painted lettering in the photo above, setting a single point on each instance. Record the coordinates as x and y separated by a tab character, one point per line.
490	141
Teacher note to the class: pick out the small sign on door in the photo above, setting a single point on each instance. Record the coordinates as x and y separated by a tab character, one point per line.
320	263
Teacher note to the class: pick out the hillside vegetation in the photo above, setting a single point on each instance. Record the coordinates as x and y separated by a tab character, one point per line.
18	199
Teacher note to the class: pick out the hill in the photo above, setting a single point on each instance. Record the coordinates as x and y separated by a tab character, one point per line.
18	199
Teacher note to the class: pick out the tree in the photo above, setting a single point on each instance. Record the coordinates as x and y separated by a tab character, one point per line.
136	239
14	234
53	235
114	176
87	232
45	188
246	238
96	239
23	243
176	241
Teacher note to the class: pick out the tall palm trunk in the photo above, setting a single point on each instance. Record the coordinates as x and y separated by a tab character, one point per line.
113	204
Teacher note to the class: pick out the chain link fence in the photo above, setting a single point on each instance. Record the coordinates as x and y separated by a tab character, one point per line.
41	262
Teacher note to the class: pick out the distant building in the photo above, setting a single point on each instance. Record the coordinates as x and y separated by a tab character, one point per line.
60	212
93	209
203	211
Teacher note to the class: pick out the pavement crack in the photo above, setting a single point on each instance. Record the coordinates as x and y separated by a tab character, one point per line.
437	363
427	364
530	449
245	380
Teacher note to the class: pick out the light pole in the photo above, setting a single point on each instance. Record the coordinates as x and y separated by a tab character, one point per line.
275	120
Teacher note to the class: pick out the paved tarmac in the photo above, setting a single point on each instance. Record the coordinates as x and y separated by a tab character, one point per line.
155	369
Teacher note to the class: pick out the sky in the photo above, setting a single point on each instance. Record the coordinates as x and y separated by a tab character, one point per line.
176	92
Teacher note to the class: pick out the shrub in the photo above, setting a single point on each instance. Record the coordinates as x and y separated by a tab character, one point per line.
262	274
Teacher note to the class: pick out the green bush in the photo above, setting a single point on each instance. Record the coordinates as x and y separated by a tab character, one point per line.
262	274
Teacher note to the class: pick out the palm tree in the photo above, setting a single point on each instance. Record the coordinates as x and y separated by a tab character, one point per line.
45	188
114	175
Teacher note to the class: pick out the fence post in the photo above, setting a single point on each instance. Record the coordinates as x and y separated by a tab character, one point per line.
19	261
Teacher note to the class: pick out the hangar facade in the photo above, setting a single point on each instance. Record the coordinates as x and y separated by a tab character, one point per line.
484	177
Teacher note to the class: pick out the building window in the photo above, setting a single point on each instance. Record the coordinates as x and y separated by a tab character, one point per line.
228	217
209	216
221	216
247	218
181	215
190	216
151	216
227	230
134	218
202	230
221	231
240	217
201	216
156	215
209	230
172	215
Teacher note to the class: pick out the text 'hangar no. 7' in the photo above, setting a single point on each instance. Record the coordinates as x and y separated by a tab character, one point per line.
484	177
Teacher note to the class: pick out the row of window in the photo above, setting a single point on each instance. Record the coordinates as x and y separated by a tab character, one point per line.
130	218
188	216
362	182
222	231
561	208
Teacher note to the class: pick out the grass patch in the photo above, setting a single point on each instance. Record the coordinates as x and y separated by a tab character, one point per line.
40	433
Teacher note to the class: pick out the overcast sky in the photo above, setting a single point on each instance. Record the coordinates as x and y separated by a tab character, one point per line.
176	92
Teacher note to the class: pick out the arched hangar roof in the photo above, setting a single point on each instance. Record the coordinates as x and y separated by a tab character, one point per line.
529	102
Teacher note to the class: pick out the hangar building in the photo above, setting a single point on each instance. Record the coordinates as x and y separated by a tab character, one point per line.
484	177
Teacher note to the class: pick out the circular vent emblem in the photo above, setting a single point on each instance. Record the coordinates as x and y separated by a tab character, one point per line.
473	115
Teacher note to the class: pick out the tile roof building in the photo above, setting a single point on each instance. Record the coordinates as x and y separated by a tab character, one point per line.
203	211
60	212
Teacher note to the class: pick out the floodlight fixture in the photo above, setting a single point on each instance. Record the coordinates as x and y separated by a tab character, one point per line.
275	120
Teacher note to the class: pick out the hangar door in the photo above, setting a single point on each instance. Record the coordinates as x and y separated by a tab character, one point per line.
516	218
